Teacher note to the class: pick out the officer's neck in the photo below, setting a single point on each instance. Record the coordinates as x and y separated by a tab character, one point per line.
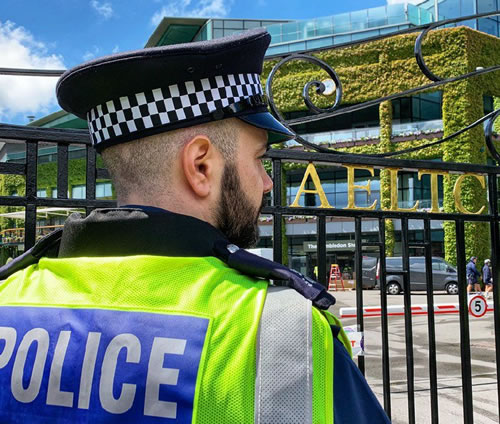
199	210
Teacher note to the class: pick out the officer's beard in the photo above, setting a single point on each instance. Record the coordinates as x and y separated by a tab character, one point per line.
236	217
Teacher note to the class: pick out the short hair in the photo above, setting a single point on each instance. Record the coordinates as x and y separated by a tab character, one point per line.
144	165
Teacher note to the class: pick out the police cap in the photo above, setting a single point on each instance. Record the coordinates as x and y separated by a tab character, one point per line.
140	93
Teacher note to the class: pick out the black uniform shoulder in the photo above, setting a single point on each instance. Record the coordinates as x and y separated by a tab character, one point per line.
47	246
255	266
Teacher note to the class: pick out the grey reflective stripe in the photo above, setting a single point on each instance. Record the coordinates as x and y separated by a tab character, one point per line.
283	386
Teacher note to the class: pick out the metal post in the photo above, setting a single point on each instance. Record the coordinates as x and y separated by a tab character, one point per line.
386	372
321	250
431	325
31	192
359	285
410	372
495	264
277	216
91	176
464	324
62	171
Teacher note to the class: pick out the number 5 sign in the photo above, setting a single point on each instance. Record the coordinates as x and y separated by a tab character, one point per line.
477	306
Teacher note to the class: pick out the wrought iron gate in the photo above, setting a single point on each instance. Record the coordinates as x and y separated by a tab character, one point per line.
338	159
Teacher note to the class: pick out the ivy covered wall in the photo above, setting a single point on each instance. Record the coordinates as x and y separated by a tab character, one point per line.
380	68
46	180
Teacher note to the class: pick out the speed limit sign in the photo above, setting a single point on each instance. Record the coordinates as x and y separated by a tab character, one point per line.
477	306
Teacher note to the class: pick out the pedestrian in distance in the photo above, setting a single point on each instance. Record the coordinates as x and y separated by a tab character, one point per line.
472	276
153	311
487	278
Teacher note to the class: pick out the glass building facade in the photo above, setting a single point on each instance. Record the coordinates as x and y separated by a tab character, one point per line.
344	28
448	9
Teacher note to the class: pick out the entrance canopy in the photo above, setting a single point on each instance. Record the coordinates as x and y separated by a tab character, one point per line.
41	213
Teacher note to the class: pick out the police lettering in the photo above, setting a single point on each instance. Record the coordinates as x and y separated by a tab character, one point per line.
122	348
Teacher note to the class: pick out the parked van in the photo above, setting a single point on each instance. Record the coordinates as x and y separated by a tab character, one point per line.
369	271
444	275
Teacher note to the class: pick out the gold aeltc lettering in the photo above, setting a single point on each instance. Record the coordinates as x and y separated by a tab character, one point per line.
394	193
351	186
457	191
434	185
318	189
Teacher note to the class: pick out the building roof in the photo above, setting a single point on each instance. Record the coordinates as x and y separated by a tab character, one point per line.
175	31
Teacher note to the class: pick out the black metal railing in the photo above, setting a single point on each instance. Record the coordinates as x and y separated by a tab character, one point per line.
32	137
336	158
492	218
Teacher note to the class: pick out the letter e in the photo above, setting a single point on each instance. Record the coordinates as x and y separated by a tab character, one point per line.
157	375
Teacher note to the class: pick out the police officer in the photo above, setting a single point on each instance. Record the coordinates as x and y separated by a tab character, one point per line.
153	312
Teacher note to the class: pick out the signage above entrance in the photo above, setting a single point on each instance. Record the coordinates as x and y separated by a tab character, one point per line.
393	172
312	246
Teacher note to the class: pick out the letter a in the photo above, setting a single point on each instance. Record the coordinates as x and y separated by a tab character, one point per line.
311	170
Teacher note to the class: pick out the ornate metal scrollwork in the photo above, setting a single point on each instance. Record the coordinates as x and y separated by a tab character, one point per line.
488	132
320	87
418	42
334	110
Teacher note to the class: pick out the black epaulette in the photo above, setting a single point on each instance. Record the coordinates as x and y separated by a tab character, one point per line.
47	246
255	266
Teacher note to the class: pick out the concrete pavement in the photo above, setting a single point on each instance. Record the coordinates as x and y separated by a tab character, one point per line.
484	372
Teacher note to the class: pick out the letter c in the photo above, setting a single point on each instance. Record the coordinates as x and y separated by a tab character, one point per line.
108	371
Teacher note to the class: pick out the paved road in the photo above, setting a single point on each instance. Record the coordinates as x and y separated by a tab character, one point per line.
448	360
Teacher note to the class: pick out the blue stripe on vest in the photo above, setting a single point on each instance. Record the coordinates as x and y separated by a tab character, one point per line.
360	406
92	365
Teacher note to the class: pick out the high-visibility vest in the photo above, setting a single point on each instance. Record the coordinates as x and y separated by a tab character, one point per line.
138	338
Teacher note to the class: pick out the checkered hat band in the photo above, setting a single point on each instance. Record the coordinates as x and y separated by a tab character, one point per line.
163	106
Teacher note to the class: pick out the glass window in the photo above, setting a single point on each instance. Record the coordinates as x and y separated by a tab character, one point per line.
233	24
267	23
359	20
489	26
320	42
394	263
232	32
218	33
449	9
103	190
417	264
324	26
251	24
377	16
217	23
438	265
298	46
78	192
41	193
277	50
482	6
339	39
54	193
341	23
365	34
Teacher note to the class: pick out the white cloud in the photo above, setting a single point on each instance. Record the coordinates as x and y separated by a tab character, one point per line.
103	9
190	8
116	49
91	54
19	94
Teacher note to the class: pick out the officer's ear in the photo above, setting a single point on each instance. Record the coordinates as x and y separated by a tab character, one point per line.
199	161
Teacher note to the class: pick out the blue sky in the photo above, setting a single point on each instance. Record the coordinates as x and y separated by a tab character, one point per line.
59	34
